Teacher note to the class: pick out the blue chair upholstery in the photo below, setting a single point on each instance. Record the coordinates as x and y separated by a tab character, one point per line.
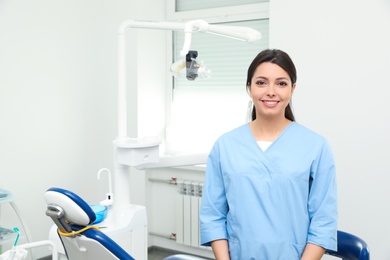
350	247
71	214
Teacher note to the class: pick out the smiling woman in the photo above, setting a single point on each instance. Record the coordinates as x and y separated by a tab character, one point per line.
290	209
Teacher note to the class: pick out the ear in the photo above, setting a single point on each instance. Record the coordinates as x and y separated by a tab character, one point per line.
248	89
293	88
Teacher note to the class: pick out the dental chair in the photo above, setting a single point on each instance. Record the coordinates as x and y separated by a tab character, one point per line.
74	219
350	247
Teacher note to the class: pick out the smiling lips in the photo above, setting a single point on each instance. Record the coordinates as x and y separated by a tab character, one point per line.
270	103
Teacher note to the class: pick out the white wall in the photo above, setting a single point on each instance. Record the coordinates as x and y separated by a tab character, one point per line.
58	96
342	54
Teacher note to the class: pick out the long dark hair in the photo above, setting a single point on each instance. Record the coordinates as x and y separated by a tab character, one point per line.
281	59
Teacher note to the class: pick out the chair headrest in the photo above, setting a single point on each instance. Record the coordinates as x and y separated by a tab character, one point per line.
77	211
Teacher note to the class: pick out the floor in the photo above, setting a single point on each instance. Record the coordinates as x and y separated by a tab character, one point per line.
158	253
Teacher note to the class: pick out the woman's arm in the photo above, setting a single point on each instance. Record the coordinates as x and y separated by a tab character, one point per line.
322	203
221	249
312	252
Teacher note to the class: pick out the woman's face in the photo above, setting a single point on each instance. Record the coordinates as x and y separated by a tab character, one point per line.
271	90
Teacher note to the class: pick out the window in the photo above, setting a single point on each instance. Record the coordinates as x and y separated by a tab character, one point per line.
202	110
185	5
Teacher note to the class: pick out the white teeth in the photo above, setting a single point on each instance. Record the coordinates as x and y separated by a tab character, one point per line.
270	102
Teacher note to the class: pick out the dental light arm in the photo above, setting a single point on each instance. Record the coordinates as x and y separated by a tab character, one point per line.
236	32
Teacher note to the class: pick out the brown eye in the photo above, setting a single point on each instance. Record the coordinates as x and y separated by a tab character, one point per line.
260	83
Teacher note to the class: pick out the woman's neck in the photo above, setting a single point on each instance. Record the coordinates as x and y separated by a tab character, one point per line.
268	130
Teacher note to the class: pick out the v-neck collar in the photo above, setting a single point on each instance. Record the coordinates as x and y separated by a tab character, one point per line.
272	144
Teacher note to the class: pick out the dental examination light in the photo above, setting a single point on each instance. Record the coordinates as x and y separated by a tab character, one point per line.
190	68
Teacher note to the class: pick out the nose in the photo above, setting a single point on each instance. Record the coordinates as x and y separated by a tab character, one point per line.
271	91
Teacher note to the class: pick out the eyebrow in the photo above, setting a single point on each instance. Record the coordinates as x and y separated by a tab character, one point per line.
280	78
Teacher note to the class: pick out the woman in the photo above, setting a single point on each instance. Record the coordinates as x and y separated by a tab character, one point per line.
270	187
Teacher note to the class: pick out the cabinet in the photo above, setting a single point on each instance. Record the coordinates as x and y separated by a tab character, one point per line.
7	234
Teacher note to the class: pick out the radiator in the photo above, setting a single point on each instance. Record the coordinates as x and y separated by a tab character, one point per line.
189	199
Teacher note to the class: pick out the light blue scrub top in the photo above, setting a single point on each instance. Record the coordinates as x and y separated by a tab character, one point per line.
269	204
